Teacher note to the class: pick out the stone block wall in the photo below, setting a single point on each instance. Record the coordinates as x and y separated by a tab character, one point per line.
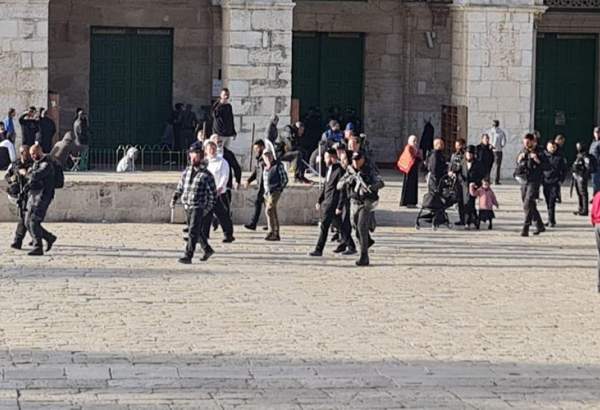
405	81
194	57
257	65
493	69
23	54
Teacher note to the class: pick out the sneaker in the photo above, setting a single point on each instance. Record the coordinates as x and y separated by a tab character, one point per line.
315	253
250	227
210	252
185	260
50	242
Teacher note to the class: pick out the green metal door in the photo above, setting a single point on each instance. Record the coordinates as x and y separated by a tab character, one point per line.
327	72
131	79
566	88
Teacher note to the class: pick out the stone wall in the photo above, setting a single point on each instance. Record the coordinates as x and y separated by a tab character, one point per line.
23	54
257	65
493	68
405	81
194	38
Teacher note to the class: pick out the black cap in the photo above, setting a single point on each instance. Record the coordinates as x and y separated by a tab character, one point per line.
471	149
196	147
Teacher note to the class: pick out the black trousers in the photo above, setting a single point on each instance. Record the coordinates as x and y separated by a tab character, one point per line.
529	194
33	222
221	212
295	159
361	220
498	162
197	221
470	211
328	216
258	204
21	230
551	195
581	186
460	202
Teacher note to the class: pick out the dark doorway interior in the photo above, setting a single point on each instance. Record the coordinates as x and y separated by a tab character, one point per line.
565	98
131	85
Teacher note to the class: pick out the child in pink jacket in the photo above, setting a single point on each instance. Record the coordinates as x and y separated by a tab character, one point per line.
487	201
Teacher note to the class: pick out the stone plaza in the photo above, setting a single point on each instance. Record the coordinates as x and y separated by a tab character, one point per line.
448	319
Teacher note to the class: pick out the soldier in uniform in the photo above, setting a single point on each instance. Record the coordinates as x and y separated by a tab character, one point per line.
16	177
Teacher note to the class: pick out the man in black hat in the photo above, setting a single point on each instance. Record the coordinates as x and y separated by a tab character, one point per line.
363	185
329	202
531	164
198	194
471	174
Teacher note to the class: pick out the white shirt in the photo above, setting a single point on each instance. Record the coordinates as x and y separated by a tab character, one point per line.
328	173
269	147
497	138
219	168
11	149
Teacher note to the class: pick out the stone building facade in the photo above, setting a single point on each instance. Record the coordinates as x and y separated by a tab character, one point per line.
418	56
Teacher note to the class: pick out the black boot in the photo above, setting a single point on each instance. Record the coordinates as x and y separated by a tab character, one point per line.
49	242
539	228
37	251
525	230
207	254
363	261
17	244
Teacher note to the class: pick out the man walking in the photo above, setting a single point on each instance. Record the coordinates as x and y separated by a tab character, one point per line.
198	193
595	152
42	185
257	175
498	142
220	170
529	172
275	180
436	165
329	203
16	177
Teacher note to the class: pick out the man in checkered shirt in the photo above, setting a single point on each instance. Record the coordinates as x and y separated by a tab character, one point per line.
198	194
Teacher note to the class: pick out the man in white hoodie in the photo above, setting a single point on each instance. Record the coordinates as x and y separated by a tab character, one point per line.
219	168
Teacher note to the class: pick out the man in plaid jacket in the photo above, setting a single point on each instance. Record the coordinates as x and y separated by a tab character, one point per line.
198	194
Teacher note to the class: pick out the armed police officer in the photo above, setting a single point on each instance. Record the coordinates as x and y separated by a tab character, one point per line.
16	177
363	185
198	193
531	164
44	178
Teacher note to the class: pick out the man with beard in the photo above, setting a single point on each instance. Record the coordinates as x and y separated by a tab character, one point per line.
42	185
222	118
257	175
16	177
329	203
198	194
485	155
529	172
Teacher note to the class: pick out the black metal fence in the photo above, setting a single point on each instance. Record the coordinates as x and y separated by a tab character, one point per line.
150	158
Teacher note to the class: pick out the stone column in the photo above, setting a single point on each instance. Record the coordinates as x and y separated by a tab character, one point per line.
23	54
257	64
493	70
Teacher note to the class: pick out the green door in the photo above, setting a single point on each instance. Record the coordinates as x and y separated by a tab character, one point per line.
565	97
327	72
131	82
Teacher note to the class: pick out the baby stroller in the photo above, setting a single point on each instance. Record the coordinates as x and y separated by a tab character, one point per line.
435	204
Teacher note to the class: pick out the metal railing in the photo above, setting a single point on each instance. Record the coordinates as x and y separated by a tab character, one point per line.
150	158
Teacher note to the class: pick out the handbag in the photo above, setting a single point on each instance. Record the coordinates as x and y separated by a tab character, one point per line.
406	160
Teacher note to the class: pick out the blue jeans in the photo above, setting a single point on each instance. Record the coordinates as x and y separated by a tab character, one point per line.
596	182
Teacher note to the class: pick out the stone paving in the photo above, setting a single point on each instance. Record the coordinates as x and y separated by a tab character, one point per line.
446	319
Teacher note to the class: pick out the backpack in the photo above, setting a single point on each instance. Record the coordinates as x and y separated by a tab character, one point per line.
59	175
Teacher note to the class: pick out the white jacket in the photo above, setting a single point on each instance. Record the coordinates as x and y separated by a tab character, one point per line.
219	168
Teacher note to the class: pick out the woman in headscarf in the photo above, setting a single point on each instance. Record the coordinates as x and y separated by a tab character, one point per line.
408	164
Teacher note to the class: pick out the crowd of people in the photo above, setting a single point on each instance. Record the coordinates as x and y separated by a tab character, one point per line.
350	191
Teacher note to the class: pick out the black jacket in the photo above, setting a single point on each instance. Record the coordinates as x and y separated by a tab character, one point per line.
436	165
235	170
30	128
330	196
359	192
485	155
47	131
528	169
222	116
556	168
41	186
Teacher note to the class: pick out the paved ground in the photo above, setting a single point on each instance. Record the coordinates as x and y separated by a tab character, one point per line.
452	319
